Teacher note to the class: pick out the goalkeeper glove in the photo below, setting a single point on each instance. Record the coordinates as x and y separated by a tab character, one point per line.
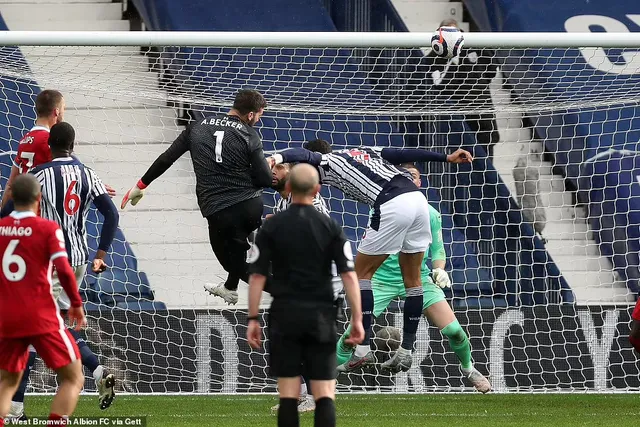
134	195
440	278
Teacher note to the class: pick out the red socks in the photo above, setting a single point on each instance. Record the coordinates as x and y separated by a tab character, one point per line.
57	420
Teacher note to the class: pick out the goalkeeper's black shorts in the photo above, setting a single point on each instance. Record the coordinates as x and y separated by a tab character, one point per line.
302	340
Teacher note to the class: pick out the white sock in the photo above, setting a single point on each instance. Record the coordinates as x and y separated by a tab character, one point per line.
303	388
97	374
466	371
17	408
362	350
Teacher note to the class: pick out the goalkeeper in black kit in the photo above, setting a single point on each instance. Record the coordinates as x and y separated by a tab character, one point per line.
231	171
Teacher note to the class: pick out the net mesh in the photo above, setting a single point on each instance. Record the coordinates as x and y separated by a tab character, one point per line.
543	280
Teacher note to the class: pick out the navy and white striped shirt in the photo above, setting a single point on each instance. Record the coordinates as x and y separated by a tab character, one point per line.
68	190
365	174
318	203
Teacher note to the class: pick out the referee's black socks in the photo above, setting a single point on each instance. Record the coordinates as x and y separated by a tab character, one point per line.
288	413
325	415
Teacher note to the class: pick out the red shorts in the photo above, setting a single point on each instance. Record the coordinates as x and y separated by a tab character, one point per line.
57	349
636	311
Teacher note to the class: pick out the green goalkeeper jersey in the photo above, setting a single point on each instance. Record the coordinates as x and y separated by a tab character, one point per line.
389	272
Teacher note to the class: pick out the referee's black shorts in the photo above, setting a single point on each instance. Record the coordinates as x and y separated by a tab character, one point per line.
302	340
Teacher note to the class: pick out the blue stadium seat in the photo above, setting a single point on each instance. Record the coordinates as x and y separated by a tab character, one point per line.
115	288
91	307
142	305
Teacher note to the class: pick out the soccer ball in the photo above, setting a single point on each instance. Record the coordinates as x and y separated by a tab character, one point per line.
447	42
388	338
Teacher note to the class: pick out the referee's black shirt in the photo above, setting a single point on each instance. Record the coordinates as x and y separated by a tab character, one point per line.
228	161
300	243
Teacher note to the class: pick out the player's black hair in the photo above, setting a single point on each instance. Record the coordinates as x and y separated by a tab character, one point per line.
47	101
25	190
318	145
62	137
410	166
249	101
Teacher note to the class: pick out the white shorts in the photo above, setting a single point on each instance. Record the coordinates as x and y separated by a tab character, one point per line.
404	226
59	294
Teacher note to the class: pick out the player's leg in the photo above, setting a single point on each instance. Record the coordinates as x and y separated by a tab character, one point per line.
60	353
416	241
383	294
384	236
440	314
105	382
228	233
9	382
320	360
14	354
16	412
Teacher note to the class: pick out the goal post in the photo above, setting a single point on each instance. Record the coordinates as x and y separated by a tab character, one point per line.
538	231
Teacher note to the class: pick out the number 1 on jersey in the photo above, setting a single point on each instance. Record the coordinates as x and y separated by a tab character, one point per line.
219	134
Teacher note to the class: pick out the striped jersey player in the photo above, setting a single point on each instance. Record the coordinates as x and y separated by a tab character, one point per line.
399	223
68	190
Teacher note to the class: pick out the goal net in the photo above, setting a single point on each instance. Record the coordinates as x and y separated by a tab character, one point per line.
540	231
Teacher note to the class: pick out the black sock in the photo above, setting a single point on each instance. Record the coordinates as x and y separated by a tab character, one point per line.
325	415
411	316
88	357
366	296
232	282
288	413
22	388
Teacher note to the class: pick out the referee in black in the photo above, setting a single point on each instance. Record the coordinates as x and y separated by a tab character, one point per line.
298	246
231	171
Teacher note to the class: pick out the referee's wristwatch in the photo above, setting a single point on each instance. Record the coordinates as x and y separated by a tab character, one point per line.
250	318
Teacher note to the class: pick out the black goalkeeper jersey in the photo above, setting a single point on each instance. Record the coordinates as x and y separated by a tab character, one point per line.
228	161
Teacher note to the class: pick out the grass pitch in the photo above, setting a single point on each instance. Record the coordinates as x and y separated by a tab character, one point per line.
374	410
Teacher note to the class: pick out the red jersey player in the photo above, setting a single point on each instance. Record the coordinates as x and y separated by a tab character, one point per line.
30	247
33	149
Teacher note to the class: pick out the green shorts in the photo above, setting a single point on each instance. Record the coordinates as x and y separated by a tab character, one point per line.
384	293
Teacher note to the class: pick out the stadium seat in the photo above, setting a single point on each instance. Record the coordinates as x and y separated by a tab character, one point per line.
142	305
111	290
91	307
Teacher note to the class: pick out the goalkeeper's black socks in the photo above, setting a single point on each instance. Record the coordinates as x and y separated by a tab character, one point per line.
325	415
366	296
411	316
288	413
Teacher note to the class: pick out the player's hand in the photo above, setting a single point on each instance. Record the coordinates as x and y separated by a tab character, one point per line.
110	191
460	156
356	335
98	265
76	315
134	195
441	278
254	334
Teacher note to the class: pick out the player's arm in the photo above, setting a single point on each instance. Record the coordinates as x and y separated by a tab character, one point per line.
163	162
260	169
398	156
6	196
66	276
259	270
437	252
297	155
343	257
105	206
